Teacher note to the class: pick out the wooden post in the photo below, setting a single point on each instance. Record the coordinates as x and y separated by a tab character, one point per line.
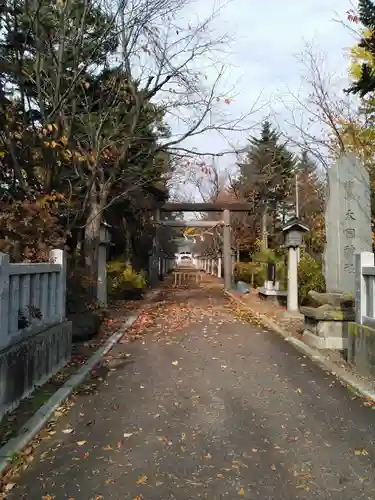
227	251
157	244
101	293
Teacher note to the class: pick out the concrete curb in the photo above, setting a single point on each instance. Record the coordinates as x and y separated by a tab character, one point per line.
316	356
45	412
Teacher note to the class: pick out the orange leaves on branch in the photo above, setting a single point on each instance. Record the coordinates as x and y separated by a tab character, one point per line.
50	200
30	229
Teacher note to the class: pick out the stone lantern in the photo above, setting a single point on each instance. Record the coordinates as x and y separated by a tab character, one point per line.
293	232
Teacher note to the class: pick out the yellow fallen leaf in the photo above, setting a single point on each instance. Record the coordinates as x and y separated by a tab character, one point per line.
299	390
67	431
81	443
142	479
241	492
363	452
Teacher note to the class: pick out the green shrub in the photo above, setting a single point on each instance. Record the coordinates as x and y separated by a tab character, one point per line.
252	273
122	279
266	256
310	277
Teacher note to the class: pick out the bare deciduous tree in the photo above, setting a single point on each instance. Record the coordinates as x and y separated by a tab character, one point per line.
319	111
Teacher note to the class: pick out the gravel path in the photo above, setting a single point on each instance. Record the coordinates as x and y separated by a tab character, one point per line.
207	406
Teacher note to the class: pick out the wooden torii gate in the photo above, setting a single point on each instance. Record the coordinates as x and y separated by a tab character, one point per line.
225	208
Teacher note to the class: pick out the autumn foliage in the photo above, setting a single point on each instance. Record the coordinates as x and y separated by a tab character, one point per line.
29	229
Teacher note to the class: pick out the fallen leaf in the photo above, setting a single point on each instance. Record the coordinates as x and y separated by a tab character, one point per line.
303	476
164	439
238	463
241	492
81	443
299	390
273	467
175	363
142	479
128	434
361	452
9	486
67	431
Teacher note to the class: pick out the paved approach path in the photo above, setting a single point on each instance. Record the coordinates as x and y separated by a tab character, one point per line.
211	407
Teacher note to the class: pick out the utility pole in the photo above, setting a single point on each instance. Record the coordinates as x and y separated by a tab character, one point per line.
297	215
297	197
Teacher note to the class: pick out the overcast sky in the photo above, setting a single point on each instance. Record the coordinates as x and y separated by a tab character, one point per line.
267	37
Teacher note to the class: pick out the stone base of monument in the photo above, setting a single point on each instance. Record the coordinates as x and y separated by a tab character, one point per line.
326	326
270	291
361	348
293	314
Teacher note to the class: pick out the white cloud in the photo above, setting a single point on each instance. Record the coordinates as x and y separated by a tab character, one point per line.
267	36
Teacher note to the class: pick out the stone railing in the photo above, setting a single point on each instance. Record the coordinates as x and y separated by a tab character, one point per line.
361	332
35	338
365	289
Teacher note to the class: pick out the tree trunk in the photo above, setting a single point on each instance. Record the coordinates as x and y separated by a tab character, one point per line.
92	240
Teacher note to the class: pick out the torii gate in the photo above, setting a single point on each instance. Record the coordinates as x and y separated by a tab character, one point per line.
225	208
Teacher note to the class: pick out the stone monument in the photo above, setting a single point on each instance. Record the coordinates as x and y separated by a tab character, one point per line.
348	231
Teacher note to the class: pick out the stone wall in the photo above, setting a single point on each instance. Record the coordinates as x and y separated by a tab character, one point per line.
31	362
